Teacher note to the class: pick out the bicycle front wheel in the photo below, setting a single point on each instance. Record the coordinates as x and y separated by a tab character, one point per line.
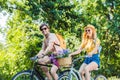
68	76
25	75
100	77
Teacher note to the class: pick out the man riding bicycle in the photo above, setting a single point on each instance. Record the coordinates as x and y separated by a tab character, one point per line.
48	51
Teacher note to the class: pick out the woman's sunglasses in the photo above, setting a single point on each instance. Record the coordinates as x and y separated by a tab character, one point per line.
43	29
87	30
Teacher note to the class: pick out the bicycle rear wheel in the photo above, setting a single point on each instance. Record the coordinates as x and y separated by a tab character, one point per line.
66	75
100	77
25	75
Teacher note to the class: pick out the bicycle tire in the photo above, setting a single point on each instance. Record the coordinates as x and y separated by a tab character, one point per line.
24	75
100	77
64	76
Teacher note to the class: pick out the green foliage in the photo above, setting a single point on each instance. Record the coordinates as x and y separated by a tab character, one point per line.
67	17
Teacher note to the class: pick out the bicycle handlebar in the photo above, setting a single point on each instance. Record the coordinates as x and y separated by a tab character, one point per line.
79	58
35	59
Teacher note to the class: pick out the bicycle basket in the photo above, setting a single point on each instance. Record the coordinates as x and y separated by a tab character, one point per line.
65	62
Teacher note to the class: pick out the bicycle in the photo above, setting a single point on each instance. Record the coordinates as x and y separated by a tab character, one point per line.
73	74
34	73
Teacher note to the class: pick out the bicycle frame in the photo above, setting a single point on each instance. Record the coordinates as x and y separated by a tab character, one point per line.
74	71
35	70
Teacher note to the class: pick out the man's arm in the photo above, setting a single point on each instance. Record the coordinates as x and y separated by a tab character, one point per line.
50	46
40	54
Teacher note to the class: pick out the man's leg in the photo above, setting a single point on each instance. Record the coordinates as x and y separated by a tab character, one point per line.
45	60
53	72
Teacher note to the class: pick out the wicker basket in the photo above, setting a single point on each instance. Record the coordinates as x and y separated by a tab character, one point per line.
65	62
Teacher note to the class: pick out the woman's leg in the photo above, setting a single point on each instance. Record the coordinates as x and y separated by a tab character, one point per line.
45	60
82	71
53	72
88	68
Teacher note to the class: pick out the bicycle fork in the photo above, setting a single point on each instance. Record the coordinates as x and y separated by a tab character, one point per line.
32	74
69	75
75	75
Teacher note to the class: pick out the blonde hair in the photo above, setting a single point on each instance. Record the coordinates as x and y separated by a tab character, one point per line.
94	34
85	43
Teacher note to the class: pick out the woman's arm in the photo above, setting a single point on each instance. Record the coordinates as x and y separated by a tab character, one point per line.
79	50
76	52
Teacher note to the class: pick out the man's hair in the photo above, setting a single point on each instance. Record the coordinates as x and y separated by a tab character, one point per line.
43	25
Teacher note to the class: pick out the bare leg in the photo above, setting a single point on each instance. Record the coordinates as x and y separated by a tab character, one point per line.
88	68
53	72
82	70
45	60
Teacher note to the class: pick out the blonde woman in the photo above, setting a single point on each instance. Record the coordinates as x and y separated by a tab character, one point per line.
90	44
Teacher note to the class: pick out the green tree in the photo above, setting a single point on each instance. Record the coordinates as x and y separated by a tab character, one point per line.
24	40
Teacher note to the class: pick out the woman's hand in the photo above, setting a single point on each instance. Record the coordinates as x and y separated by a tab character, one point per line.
70	55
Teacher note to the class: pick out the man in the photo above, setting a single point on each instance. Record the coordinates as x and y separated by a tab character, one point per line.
49	49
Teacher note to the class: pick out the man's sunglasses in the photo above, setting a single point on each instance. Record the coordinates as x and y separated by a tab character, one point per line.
43	29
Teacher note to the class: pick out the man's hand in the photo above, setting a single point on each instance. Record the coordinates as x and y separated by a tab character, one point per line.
41	55
34	58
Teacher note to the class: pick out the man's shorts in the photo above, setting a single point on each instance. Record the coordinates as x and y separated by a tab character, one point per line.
54	60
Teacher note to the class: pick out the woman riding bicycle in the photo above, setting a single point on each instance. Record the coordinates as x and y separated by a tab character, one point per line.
90	44
48	51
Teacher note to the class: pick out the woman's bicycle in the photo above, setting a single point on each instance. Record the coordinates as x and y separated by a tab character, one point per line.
73	74
34	74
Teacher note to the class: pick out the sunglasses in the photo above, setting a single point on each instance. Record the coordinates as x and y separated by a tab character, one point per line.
43	29
87	30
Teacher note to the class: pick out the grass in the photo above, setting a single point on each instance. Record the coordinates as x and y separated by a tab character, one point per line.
113	78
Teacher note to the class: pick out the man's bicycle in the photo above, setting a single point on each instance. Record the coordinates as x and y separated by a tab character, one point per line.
73	74
34	74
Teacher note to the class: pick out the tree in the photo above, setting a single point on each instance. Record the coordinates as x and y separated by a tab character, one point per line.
67	18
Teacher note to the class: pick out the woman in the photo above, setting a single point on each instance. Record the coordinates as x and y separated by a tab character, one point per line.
90	44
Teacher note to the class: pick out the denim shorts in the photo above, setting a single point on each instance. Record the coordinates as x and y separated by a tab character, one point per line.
94	58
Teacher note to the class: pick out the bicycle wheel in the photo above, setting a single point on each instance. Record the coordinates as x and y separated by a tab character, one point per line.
66	75
100	77
24	75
